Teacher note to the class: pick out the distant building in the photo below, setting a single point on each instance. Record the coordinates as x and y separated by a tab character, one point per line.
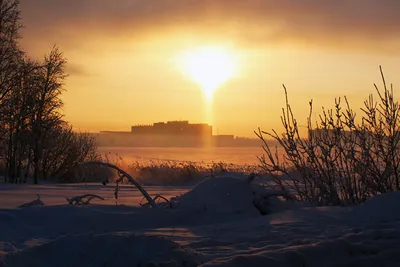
222	140
321	133
183	128
171	134
327	133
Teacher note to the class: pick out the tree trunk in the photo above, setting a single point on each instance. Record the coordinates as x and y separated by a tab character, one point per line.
19	178
28	166
11	160
36	156
36	168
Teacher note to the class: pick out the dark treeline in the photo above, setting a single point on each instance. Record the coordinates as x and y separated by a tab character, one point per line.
34	138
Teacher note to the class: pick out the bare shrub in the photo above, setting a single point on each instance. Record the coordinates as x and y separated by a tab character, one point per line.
168	172
161	172
344	160
64	150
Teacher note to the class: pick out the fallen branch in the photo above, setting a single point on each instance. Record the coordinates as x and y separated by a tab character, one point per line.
122	175
80	200
162	204
36	202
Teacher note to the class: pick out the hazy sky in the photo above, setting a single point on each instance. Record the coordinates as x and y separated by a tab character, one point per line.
122	57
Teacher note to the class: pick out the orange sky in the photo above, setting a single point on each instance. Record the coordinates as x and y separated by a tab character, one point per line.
121	53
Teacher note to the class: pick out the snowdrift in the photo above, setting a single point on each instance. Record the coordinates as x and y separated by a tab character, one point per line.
219	195
115	249
228	195
214	224
382	207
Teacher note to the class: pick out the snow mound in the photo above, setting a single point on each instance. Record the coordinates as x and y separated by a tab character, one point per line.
226	194
116	249
379	208
220	195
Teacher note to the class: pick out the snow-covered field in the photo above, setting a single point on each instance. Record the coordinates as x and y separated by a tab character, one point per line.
215	224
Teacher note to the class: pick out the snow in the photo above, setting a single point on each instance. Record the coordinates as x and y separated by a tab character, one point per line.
112	249
229	232
221	195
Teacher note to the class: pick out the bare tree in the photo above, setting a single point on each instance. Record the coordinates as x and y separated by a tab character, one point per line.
15	119
10	57
47	102
10	54
33	133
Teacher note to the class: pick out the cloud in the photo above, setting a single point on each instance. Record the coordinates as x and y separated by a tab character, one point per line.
340	23
77	70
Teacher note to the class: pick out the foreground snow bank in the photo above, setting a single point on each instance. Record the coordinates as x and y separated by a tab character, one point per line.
336	246
115	249
364	235
230	232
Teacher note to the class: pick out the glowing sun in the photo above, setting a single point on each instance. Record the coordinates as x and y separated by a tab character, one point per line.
209	67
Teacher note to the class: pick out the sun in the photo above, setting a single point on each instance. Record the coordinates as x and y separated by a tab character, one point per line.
209	67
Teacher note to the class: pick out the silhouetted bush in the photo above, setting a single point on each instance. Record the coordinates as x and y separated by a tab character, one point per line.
345	159
64	151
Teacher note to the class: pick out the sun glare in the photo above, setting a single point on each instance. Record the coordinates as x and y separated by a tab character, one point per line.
209	67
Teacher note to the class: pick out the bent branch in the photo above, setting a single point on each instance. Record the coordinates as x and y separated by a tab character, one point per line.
122	175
